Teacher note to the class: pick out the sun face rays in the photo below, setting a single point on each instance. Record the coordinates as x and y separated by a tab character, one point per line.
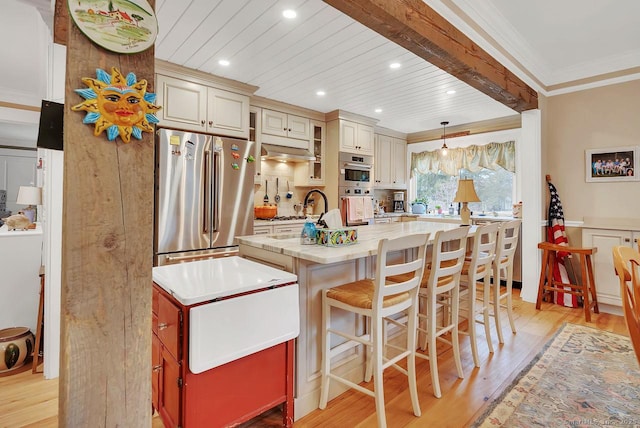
118	105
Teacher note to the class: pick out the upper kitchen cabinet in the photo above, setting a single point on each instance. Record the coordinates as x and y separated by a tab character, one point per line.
285	125
390	162
227	113
356	137
201	102
355	133
382	161
312	173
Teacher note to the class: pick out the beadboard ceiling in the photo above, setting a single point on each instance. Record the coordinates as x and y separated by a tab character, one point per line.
549	44
545	43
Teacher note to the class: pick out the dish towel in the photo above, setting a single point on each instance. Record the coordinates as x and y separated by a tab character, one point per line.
355	209
368	208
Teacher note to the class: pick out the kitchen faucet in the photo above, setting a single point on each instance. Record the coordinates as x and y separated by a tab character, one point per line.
306	201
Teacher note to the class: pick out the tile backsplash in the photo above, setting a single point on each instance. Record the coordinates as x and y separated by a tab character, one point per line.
284	172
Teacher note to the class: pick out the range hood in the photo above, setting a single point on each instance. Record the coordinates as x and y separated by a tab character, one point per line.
290	154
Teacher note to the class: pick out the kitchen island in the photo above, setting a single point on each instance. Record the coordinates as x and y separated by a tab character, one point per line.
318	267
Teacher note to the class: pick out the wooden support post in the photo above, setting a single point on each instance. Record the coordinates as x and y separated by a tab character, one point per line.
105	361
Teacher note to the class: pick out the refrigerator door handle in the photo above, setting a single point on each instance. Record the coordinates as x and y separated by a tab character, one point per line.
207	192
216	185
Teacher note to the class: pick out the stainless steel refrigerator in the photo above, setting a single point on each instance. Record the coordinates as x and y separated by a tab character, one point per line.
204	195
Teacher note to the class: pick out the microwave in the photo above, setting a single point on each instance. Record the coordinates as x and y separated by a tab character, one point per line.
355	170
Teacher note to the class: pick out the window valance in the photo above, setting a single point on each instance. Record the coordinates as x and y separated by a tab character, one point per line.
472	158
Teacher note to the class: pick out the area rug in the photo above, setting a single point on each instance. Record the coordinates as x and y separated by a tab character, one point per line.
584	377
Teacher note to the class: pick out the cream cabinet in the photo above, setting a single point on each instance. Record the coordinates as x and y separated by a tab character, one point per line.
312	173
607	283
200	108
390	162
262	230
382	161
285	125
356	137
278	227
399	164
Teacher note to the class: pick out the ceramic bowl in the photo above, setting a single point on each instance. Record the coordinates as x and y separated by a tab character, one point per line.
16	344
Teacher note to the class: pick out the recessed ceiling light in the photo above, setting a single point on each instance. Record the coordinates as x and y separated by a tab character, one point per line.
394	65
289	14
451	92
321	93
224	62
378	110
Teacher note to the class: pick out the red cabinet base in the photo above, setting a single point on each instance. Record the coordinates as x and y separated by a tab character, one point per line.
224	396
242	389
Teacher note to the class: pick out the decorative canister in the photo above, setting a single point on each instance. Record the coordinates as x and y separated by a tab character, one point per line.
308	234
16	344
418	208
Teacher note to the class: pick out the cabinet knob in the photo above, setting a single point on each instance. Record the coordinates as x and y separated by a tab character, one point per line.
202	122
157	368
627	240
162	326
211	123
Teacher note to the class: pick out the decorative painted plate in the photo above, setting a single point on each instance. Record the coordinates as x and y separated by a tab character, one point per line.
122	26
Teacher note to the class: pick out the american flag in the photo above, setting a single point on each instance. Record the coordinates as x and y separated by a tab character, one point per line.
557	235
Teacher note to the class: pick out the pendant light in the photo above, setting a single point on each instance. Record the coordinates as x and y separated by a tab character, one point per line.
444	148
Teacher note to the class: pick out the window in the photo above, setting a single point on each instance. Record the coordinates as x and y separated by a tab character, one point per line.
495	188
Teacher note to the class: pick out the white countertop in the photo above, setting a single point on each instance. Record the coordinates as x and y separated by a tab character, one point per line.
367	245
205	280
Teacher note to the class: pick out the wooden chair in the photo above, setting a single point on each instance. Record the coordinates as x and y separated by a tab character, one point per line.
627	264
503	270
377	299
477	266
586	287
442	289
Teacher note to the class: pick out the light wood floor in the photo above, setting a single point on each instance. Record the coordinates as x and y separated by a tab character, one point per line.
27	400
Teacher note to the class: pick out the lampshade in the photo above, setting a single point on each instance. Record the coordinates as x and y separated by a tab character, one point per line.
29	195
466	192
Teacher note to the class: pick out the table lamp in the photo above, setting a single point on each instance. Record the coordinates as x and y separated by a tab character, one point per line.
31	196
466	193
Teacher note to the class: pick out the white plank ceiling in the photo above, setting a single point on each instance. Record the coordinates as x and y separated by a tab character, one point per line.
321	49
544	42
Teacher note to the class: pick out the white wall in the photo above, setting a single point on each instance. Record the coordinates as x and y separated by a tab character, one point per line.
25	38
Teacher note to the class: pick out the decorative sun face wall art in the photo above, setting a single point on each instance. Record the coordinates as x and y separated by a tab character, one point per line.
118	105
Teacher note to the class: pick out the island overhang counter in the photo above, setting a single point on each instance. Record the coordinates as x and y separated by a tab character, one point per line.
318	267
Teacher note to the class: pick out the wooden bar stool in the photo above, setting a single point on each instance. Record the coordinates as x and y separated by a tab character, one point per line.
587	286
381	302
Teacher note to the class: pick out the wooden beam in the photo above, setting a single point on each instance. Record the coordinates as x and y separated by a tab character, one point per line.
418	28
105	361
61	23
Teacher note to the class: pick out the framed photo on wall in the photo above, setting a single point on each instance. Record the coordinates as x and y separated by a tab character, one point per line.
612	164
